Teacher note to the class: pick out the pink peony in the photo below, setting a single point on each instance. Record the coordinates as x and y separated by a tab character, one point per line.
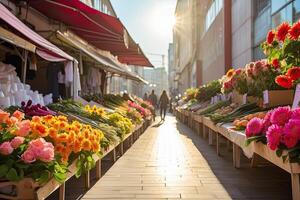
23	128
295	114
6	148
47	154
254	127
281	115
17	141
267	122
42	150
274	134
293	128
290	140
28	156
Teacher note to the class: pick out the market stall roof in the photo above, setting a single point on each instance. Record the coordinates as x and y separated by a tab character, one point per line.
108	64
16	40
45	49
101	30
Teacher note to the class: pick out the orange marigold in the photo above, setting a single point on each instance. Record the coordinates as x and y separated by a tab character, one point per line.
86	145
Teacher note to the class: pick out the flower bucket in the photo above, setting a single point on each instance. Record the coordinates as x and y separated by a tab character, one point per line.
238	98
280	98
24	189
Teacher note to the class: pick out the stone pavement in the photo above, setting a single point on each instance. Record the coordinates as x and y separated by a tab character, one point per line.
169	161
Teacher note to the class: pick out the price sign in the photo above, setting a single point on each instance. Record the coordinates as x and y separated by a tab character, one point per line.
244	98
296	97
266	96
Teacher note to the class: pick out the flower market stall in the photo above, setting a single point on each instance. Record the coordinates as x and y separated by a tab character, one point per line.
256	108
42	147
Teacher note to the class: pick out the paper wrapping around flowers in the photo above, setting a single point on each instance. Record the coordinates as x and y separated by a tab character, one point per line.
239	138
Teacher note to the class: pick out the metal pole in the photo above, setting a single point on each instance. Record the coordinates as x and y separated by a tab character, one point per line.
24	66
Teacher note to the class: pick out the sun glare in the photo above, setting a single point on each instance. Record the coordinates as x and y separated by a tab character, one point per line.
162	21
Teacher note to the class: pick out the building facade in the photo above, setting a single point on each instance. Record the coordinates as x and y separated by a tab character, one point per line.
171	70
226	33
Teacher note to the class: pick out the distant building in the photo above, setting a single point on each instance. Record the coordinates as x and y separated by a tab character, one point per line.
158	80
118	84
171	70
211	36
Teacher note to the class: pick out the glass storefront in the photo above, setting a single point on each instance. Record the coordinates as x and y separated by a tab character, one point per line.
269	14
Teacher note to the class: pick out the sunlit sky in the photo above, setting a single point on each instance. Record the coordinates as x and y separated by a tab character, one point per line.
150	24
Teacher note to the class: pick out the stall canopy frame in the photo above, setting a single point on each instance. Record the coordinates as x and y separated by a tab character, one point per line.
16	40
103	31
107	63
44	48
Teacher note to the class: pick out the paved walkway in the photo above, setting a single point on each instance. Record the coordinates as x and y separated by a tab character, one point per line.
170	162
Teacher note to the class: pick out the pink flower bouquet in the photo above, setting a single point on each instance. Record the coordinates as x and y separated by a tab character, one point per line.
280	130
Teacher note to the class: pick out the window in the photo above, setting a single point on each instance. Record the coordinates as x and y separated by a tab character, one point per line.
278	4
258	53
296	10
97	4
285	14
260	5
212	12
262	25
104	8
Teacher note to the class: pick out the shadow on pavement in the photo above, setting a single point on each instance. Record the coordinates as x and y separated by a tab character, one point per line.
158	124
268	182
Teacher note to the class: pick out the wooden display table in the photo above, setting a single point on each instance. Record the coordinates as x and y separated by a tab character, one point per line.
28	189
238	139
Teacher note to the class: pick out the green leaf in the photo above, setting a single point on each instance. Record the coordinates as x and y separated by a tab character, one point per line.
21	166
279	152
44	176
60	177
12	175
254	138
284	158
3	170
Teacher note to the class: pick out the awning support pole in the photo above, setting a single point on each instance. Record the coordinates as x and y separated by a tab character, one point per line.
24	68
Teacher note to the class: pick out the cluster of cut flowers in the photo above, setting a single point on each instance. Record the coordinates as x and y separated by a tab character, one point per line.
253	79
143	111
95	110
43	146
280	127
281	49
123	124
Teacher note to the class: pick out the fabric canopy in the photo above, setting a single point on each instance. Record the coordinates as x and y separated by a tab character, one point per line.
107	63
44	48
101	30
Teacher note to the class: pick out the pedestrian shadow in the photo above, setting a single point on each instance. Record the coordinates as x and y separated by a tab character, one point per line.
158	124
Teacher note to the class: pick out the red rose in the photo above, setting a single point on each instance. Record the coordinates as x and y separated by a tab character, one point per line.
270	37
284	81
283	30
275	63
293	73
295	31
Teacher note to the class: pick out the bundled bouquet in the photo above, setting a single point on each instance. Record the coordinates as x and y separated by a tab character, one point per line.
209	90
123	124
279	129
235	80
143	111
134	115
190	93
